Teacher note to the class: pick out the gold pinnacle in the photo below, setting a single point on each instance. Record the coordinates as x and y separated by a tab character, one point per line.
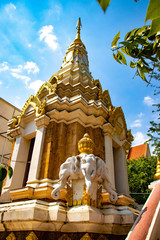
86	145
79	26
157	175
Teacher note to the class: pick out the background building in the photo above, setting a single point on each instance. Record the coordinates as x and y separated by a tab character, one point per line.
7	111
138	151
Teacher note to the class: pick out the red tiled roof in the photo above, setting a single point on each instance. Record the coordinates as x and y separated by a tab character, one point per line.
137	151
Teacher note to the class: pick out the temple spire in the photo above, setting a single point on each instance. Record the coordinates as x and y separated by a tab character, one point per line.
79	26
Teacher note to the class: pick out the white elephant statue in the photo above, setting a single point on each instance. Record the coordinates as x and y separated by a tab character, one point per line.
87	166
94	170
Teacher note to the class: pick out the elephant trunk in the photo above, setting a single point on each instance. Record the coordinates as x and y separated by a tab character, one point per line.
56	192
88	185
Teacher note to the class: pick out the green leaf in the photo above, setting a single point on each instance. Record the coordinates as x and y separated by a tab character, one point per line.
142	75
132	65
125	50
153	10
155	26
140	30
130	34
116	58
10	171
121	57
115	40
3	173
104	4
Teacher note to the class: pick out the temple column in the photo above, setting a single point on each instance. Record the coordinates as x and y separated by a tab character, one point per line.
18	160
121	174
108	131
41	123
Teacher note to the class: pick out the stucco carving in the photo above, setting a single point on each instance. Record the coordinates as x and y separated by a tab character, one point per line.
87	166
48	86
33	101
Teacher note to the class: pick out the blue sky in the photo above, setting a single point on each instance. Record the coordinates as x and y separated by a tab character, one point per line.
35	35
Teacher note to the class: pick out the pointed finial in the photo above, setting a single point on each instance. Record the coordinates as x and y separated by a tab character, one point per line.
78	27
86	145
157	175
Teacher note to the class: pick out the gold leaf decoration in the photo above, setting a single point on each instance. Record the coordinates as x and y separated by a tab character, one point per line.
64	237
32	236
86	237
11	236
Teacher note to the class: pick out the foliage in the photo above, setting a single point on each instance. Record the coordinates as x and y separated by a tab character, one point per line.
140	174
153	13
3	173
142	48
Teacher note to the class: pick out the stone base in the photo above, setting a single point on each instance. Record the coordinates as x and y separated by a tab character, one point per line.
37	215
41	235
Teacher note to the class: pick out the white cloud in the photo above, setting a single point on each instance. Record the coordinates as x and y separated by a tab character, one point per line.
136	123
1	83
31	67
29	45
46	34
9	7
18	69
140	115
10	10
148	101
22	77
139	138
4	66
35	85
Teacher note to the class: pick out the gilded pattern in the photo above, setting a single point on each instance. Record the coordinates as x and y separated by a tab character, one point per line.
35	103
86	237
55	78
69	196
157	175
11	236
114	115
130	137
51	88
32	236
64	237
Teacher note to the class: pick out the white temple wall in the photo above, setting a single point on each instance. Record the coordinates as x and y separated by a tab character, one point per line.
36	157
121	174
109	158
18	163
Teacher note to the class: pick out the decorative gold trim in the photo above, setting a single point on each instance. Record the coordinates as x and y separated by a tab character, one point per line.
86	237
64	237
114	115
35	103
86	198
55	78
32	236
69	196
129	136
106	98
102	237
99	197
51	88
11	236
122	200
157	175
24	193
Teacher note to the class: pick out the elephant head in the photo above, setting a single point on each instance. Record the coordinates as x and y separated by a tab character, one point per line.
68	170
88	168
